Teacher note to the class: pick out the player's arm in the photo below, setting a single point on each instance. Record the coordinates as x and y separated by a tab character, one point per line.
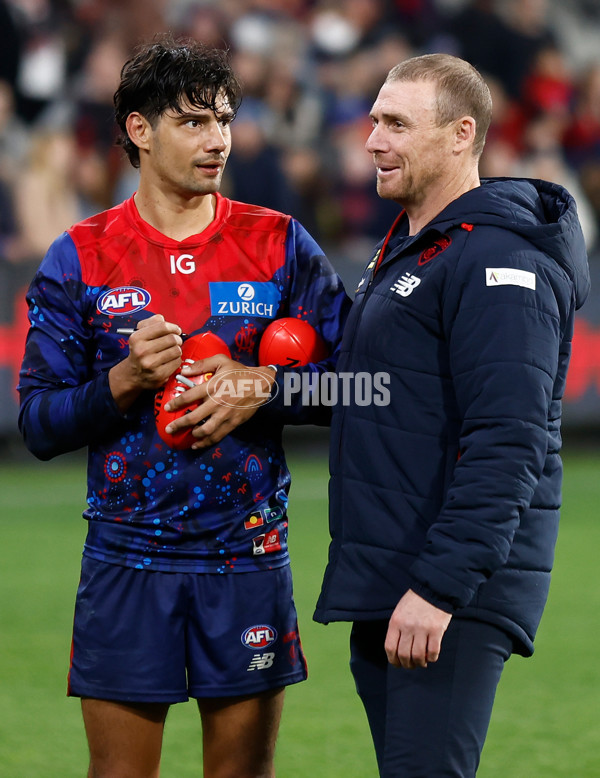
65	404
316	294
154	354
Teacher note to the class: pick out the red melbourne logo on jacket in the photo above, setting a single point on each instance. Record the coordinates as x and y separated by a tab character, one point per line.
441	244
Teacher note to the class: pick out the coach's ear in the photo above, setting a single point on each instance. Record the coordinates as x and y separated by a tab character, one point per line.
139	130
464	136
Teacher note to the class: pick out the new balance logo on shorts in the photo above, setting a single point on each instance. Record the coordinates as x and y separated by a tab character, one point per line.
261	661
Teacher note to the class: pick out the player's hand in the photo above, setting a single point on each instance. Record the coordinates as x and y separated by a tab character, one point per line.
231	397
415	632
154	354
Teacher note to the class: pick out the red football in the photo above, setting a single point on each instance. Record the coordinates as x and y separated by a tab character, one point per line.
291	342
201	346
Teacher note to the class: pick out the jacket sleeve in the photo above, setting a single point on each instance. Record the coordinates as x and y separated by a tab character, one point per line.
316	294
64	403
505	342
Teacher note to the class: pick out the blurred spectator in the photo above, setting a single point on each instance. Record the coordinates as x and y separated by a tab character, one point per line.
499	159
14	136
478	30
206	23
11	246
136	20
10	43
87	108
47	199
254	173
310	70
314	205
93	92
353	90
508	119
544	158
590	184
342	28
393	48
420	21
93	118
503	39
294	115
582	135
525	32
252	70
363	214
548	85
42	27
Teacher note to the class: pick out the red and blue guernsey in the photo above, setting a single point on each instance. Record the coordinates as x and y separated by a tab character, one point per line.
222	509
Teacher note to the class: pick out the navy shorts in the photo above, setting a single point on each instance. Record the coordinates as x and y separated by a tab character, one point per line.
147	636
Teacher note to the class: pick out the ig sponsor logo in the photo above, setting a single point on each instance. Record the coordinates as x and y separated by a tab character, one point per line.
184	263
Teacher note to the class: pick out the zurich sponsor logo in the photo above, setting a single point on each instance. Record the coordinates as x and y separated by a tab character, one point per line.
246	292
234	298
123	300
259	636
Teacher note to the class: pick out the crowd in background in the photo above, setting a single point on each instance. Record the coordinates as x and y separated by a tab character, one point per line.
310	70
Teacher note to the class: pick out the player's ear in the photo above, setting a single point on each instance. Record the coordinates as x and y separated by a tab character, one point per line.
138	129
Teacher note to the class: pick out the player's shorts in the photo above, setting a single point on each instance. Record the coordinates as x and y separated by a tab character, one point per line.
148	636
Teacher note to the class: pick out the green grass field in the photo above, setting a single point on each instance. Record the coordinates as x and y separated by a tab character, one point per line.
545	722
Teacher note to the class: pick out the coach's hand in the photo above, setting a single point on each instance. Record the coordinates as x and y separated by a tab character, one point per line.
154	354
230	397
415	632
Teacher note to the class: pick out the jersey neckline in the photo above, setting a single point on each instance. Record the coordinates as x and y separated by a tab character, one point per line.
222	207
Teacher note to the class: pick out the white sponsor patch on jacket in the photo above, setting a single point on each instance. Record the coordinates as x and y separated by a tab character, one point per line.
509	276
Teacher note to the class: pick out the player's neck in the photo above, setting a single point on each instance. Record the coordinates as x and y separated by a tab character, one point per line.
176	217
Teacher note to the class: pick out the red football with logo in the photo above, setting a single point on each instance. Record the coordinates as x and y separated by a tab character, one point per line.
291	342
201	346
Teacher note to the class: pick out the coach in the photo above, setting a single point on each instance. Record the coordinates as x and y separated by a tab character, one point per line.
445	503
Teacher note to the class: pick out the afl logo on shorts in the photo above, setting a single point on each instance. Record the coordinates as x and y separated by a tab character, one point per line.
259	636
123	300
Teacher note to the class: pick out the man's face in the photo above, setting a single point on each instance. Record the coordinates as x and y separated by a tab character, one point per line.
188	150
412	155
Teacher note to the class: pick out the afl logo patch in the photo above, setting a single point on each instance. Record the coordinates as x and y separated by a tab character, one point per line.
259	636
441	244
123	300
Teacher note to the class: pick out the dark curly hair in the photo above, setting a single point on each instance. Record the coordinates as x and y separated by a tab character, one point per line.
167	72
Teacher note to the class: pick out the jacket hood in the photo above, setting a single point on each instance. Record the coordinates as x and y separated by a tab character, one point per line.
542	212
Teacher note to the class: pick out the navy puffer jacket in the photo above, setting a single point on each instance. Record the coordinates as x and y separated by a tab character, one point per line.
453	488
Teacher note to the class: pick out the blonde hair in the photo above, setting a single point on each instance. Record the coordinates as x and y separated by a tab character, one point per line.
461	90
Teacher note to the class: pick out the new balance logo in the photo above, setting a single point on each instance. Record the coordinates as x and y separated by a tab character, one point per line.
261	661
405	285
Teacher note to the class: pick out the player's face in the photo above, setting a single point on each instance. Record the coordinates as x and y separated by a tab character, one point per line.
188	150
412	155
